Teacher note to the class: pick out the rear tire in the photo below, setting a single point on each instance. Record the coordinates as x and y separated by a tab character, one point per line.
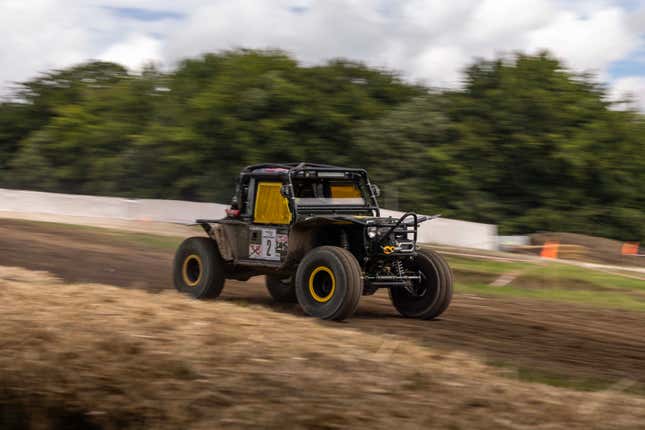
198	268
434	292
283	290
328	283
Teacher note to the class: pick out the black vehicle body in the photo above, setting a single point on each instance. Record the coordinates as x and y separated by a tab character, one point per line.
318	206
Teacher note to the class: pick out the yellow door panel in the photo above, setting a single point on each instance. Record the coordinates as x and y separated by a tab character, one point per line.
270	206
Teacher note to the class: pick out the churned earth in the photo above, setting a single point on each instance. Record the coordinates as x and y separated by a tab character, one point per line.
132	351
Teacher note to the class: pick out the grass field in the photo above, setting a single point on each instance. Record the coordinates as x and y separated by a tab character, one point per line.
550	281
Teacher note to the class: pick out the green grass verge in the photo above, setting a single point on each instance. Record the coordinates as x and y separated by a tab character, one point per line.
558	271
604	299
478	265
546	270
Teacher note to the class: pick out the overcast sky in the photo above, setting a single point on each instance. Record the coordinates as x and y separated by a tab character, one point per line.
425	40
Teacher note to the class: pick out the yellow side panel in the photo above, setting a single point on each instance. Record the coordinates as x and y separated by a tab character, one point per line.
270	206
345	191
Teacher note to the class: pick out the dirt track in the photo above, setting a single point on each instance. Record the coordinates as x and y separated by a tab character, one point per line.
555	338
94	356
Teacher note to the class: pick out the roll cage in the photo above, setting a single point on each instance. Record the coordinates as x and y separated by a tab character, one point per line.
288	173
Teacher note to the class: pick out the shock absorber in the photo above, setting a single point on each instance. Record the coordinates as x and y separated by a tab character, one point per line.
344	242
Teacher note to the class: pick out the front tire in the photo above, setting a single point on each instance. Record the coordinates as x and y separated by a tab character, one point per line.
430	297
283	290
199	268
328	283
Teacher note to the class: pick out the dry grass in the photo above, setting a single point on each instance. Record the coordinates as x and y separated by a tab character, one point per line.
99	356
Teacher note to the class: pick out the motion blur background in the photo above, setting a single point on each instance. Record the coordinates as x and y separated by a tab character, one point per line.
525	117
523	114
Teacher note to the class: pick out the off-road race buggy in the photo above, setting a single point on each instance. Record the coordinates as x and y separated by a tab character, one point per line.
316	233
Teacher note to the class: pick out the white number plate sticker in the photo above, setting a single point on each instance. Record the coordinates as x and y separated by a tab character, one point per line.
266	244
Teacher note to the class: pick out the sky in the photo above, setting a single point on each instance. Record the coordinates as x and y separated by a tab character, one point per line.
427	41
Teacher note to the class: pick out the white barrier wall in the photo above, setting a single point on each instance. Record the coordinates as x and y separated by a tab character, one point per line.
510	242
63	204
175	210
108	207
446	231
441	230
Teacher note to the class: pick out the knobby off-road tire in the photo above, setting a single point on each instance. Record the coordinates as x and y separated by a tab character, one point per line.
328	283
199	269
435	289
283	290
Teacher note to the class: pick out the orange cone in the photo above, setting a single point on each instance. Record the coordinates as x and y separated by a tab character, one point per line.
550	249
629	248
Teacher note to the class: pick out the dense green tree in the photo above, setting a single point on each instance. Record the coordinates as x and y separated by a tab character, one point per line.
525	143
545	143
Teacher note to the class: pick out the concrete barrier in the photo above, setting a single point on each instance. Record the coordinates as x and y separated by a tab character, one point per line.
446	231
64	204
107	207
512	242
441	231
176	210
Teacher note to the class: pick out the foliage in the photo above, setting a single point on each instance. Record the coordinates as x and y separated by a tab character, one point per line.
525	144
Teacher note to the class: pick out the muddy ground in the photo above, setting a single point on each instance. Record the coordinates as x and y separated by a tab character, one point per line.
555	341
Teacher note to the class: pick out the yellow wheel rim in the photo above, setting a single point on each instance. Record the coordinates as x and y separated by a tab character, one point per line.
191	270
319	281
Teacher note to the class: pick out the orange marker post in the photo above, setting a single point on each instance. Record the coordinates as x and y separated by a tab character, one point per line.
550	249
630	248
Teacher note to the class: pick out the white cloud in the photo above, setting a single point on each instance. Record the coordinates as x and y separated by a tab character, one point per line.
38	35
631	87
589	43
501	21
428	40
134	51
442	63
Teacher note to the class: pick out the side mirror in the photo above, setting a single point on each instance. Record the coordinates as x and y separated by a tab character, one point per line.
285	191
376	190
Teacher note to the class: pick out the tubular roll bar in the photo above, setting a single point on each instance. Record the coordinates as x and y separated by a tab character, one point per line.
294	168
399	222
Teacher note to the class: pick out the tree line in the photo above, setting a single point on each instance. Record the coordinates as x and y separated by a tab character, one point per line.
525	143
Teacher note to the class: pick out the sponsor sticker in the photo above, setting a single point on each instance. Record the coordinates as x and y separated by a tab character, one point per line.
267	244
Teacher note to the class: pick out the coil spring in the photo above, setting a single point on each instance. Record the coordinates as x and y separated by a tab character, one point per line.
398	264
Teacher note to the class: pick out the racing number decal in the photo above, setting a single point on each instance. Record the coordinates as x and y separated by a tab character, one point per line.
267	244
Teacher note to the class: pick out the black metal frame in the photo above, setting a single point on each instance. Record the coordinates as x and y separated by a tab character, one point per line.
304	167
293	169
399	222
